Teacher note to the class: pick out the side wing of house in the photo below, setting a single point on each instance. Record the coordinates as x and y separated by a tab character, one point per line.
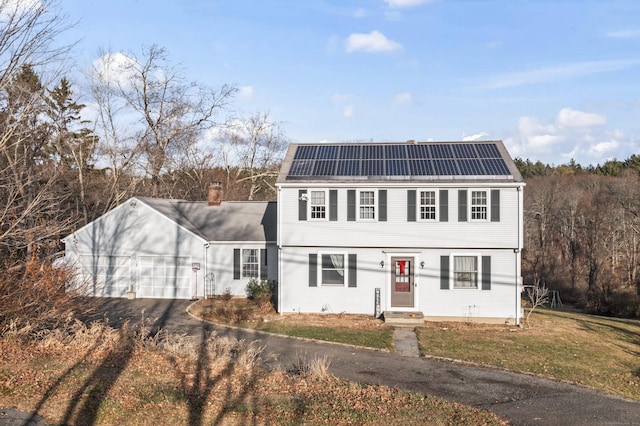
135	250
447	247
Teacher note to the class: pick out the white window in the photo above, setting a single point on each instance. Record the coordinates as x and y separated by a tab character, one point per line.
479	206
465	272
250	263
333	269
367	205
428	206
318	205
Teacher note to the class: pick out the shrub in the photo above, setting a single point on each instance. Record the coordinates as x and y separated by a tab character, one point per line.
40	295
257	289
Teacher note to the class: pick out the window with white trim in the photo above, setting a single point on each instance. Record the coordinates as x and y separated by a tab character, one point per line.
465	272
427	206
479	205
250	263
333	269
318	205
367	205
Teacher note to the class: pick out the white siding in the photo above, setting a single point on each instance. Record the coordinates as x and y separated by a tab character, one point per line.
397	231
501	302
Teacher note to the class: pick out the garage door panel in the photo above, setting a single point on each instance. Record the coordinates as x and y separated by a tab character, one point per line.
164	277
111	275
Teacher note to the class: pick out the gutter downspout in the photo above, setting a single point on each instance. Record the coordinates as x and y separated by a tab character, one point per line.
518	254
279	249
206	265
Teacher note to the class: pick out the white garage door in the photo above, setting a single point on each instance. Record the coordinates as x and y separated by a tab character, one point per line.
107	275
164	277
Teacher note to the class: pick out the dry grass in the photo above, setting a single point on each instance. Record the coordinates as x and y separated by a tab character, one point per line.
603	353
98	375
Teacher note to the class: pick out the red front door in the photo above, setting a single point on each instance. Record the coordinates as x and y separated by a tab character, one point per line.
402	280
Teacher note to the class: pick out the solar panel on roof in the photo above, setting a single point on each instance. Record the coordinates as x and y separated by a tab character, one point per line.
350	152
348	168
327	152
396	167
301	168
372	168
418	151
488	150
305	152
394	151
324	168
471	167
420	167
441	151
464	151
496	167
445	167
425	159
372	152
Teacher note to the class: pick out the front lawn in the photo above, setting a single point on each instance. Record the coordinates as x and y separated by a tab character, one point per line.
599	352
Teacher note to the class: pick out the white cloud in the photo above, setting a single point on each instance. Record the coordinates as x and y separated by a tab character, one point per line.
559	72
115	68
246	92
572	134
12	10
404	98
340	97
477	136
347	111
624	34
603	148
568	117
373	42
405	3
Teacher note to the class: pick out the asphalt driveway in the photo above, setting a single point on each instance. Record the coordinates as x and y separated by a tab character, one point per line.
523	399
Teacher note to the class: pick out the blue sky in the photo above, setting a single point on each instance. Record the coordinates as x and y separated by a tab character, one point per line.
553	79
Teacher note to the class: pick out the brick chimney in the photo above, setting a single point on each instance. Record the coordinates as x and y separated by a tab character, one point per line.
216	193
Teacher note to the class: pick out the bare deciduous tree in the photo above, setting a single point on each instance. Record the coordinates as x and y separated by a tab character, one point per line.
255	146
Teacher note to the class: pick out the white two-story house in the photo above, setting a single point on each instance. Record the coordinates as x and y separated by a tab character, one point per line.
434	228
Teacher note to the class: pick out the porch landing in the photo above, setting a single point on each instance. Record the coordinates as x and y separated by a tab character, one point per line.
403	318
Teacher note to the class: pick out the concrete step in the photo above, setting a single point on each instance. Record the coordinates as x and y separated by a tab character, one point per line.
403	318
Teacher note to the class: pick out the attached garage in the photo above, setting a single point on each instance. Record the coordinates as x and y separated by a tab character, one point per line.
175	249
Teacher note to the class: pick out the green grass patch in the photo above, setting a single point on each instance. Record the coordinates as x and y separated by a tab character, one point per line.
602	353
376	338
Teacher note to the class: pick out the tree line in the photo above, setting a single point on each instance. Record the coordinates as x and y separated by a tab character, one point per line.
582	233
144	130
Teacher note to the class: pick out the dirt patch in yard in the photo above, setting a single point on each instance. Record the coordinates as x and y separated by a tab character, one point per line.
240	310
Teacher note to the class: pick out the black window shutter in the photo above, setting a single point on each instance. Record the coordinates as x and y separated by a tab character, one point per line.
462	205
382	205
495	205
486	272
313	270
263	264
333	205
353	268
302	205
411	205
444	205
236	264
351	205
444	272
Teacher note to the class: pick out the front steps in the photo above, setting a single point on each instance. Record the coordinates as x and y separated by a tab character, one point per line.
403	319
